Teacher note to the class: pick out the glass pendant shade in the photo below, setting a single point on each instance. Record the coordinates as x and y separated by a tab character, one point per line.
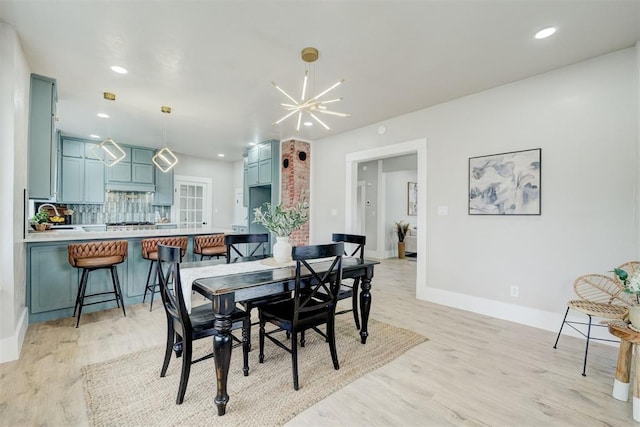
165	160
109	152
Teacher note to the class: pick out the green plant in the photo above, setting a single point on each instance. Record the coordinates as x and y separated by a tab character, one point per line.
40	217
282	221
402	228
631	284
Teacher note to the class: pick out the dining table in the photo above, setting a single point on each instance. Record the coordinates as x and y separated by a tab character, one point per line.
228	284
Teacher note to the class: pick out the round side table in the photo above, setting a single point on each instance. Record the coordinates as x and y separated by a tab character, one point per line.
628	339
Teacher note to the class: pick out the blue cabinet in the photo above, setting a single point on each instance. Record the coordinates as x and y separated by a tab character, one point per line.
260	164
49	267
134	173
43	142
164	188
81	174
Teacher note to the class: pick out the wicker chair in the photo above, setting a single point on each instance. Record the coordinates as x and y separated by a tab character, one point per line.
599	296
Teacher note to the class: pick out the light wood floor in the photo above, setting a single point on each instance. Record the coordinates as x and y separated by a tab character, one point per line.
474	370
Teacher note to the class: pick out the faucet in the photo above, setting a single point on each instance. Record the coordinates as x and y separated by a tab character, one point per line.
49	204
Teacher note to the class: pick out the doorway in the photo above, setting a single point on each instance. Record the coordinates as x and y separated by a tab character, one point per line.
418	147
192	205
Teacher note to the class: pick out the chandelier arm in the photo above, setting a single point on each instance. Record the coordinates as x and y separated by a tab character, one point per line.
285	93
299	120
327	90
319	121
333	113
331	100
304	85
285	117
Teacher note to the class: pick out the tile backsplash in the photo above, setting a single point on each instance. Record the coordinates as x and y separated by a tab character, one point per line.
120	206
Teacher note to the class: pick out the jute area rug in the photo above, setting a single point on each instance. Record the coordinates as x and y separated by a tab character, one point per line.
129	391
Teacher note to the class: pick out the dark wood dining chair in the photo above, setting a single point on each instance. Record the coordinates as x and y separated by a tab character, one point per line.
309	308
255	246
350	289
184	327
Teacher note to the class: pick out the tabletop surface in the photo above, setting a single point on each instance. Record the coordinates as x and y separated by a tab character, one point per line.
623	331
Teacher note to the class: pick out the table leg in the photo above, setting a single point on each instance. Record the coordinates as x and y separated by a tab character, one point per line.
623	371
365	307
636	383
222	349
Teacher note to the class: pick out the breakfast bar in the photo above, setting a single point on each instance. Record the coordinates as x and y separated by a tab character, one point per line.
52	283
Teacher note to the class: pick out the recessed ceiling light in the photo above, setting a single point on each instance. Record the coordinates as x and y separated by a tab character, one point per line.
308	123
118	69
94	136
544	33
220	155
103	115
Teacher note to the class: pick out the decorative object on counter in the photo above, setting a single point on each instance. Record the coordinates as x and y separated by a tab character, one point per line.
40	221
402	229
164	159
108	151
631	285
314	104
282	222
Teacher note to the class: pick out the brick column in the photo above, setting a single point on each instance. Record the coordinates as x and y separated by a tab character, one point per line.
295	172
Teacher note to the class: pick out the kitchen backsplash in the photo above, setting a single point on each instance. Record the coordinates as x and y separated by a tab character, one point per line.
118	207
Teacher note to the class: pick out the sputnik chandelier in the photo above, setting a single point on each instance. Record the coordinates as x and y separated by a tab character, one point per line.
314	104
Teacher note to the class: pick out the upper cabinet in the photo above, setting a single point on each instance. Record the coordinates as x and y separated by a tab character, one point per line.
81	172
134	173
259	168
42	153
164	188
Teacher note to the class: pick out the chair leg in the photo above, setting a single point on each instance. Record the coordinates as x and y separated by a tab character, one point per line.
75	307
171	336
246	333
561	326
294	358
331	336
261	355
354	303
117	289
586	348
186	369
302	339
146	286
83	290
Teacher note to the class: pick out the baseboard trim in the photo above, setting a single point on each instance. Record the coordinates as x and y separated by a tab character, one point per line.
516	313
10	347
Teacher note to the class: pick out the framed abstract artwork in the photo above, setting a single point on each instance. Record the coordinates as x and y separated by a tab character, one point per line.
412	198
505	184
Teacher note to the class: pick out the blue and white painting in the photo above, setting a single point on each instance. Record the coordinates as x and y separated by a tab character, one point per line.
505	184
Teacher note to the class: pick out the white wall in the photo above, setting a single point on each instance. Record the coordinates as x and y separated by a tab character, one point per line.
221	174
584	119
14	107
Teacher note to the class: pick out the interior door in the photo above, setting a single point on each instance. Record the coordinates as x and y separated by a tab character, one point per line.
193	206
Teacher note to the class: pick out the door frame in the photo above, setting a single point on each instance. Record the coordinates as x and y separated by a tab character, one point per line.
417	146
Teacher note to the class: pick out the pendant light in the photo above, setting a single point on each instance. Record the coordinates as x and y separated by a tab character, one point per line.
313	105
108	151
164	159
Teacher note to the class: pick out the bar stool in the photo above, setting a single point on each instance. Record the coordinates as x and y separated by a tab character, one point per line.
93	256
209	245
150	253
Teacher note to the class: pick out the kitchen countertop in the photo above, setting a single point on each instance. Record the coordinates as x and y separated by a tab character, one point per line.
78	234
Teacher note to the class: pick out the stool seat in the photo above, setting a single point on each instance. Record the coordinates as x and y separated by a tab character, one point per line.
209	245
93	256
150	252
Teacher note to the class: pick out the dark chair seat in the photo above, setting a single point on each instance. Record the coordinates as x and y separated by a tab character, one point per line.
202	317
282	314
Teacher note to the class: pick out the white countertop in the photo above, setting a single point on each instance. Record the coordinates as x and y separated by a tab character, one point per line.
79	234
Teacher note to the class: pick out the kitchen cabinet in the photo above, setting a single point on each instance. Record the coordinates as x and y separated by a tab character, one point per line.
164	188
260	164
42	140
134	173
48	265
81	173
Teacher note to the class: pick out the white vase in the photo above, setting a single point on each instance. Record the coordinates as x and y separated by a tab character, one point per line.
634	316
282	250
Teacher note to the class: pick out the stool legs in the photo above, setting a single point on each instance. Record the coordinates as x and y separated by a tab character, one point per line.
82	291
151	287
117	289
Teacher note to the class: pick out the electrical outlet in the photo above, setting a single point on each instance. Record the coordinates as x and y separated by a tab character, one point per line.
515	291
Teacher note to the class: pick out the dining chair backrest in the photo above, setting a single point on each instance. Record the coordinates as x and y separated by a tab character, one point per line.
255	245
309	290
171	287
355	239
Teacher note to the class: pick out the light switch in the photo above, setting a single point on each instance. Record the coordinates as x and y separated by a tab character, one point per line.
443	210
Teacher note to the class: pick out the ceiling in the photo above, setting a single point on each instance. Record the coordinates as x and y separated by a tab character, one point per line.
213	62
